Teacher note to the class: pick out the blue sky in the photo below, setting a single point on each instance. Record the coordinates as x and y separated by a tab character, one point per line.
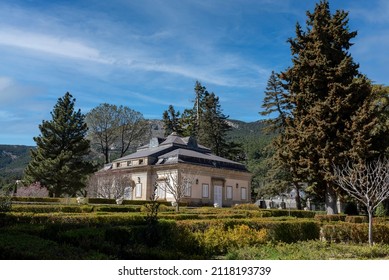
148	54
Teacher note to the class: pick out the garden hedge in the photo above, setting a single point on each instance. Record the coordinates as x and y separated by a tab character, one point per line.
354	232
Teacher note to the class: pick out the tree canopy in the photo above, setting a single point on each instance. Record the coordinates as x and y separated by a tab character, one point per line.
116	128
332	104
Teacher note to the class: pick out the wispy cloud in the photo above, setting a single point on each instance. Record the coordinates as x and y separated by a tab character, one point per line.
49	44
374	11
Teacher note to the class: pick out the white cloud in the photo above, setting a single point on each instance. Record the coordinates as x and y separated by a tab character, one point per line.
50	44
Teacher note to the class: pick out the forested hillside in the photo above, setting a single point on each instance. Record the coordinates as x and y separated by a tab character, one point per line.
13	160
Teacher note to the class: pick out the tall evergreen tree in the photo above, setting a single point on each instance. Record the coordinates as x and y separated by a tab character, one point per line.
171	121
191	119
213	126
58	162
332	116
279	176
275	103
205	121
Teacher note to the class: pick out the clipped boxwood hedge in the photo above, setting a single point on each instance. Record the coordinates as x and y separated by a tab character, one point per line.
287	212
357	219
291	230
353	232
38	208
86	219
36	199
331	218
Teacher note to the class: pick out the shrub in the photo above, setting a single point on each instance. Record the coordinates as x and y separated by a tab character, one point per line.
5	203
291	213
330	218
23	246
380	210
246	206
277	230
93	200
53	208
117	209
293	231
166	208
218	240
36	199
118	235
77	219
356	233
357	219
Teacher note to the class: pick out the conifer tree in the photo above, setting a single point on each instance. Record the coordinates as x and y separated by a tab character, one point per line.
58	162
275	103
171	121
205	121
281	176
213	126
332	115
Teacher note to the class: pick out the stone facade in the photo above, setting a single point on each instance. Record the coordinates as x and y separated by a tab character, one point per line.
209	179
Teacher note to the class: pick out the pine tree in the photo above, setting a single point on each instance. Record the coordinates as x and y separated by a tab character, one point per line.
191	119
332	114
205	121
58	162
171	121
213	126
281	173
275	103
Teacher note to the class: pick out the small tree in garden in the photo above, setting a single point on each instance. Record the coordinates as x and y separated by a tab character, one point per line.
178	184
111	186
367	182
152	233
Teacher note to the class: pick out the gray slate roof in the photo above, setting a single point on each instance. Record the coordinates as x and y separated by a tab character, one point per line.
175	149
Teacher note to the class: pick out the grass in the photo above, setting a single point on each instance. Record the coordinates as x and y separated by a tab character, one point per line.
310	250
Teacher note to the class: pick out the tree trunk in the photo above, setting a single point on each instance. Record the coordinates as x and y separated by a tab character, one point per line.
298	198
106	153
331	203
177	206
370	213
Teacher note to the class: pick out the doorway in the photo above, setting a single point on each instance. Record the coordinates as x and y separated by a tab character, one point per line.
218	195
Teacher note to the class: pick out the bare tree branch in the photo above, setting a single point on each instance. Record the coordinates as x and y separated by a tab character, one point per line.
109	186
367	182
177	183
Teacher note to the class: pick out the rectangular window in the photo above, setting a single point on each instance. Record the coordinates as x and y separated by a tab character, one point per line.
229	193
243	193
205	190
138	190
161	191
128	193
188	189
117	164
129	163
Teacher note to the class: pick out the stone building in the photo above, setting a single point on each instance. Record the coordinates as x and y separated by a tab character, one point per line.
180	162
